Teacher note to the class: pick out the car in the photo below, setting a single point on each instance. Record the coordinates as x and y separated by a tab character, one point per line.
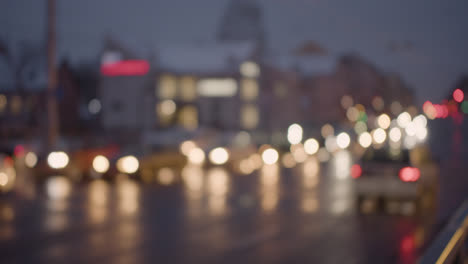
78	165
395	180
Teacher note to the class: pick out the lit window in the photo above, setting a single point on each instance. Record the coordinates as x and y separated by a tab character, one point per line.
217	87
249	117
188	117
165	111
188	90
16	104
3	102
250	69
249	89
167	88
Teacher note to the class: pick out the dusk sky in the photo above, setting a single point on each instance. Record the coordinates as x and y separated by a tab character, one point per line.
437	30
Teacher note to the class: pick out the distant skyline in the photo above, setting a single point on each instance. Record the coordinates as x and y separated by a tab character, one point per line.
436	30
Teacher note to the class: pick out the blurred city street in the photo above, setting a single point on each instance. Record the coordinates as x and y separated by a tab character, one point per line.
274	215
233	131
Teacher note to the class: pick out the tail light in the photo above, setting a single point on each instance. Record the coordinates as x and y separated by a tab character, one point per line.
409	174
356	171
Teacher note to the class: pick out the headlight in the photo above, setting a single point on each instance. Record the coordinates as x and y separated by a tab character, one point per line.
58	160
128	164
101	164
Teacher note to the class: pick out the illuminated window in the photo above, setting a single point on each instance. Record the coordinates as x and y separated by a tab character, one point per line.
249	89
188	91
3	103
279	89
188	117
167	87
16	104
250	69
217	87
249	117
165	111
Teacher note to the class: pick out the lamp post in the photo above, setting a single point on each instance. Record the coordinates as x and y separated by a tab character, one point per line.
52	113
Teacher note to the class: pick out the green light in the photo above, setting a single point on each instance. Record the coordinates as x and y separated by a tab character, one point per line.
362	117
464	107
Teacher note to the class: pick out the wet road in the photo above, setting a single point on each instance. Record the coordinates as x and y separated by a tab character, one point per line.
207	216
302	215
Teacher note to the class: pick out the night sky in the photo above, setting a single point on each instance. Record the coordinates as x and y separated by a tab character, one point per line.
436	29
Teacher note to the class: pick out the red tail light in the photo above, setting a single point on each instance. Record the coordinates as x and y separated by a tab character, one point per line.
356	171
410	174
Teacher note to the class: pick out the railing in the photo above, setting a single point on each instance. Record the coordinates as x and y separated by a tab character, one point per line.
450	244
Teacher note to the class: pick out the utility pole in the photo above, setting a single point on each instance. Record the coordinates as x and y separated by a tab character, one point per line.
52	113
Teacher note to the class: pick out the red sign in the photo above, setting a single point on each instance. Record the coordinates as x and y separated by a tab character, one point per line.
125	68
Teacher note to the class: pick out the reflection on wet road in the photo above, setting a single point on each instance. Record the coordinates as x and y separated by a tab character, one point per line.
306	213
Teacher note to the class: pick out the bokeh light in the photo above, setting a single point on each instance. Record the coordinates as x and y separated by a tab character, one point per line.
7	179
383	121
360	127
187	146
294	134
270	156
3	179
429	110
327	130
458	95
94	106
58	160
101	164
420	121
356	171
379	135
250	69
421	133
128	164
395	134
219	156
311	146
196	156
365	140
166	108
411	129
409	174
353	114
464	107
30	159
343	140
404	119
